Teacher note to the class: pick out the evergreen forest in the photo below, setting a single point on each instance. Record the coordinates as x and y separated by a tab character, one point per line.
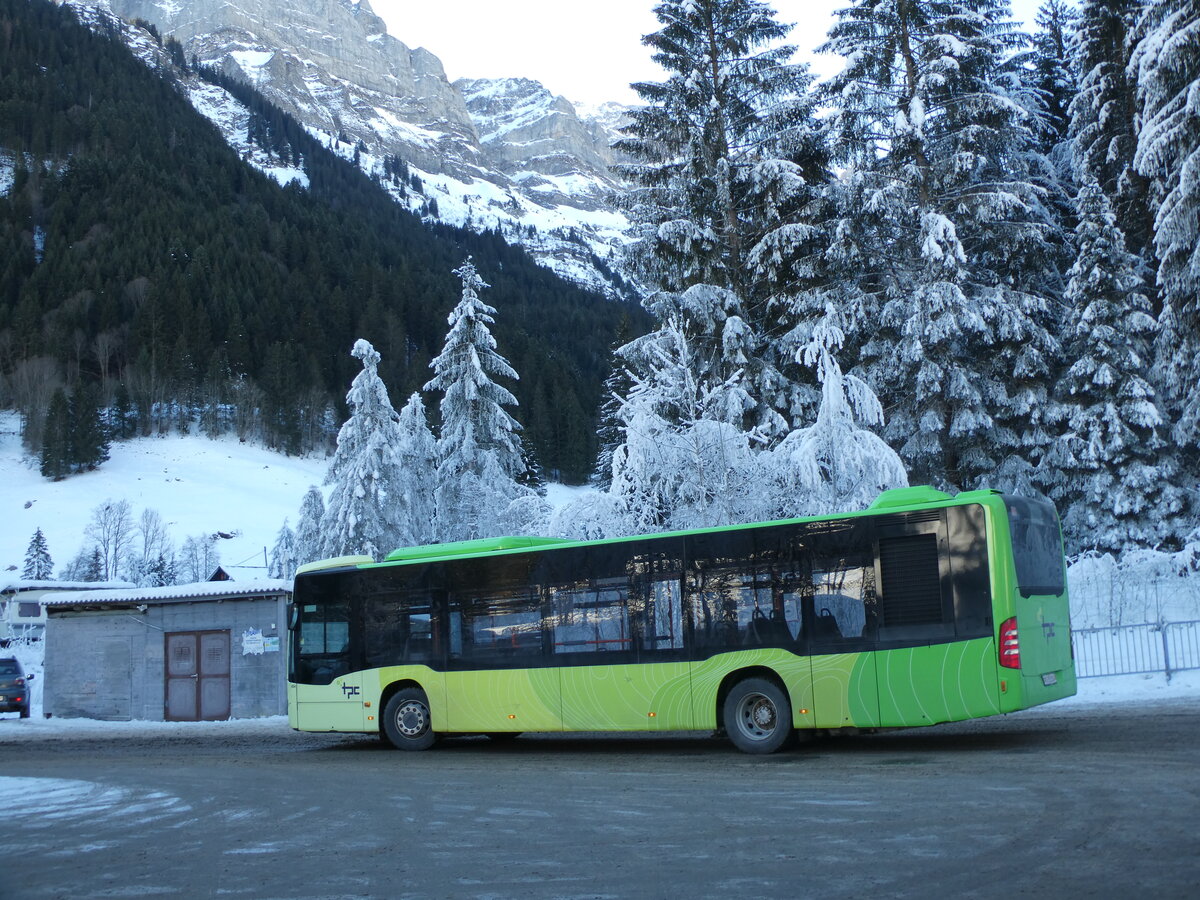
142	263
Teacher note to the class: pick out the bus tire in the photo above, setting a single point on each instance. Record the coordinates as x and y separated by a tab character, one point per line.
758	717
406	720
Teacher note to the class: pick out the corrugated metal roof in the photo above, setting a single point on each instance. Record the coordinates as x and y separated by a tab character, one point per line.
172	593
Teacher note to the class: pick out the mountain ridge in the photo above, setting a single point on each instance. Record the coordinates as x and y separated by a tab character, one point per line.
331	64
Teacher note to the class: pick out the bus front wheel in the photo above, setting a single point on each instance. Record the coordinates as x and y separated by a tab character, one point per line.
758	717
406	720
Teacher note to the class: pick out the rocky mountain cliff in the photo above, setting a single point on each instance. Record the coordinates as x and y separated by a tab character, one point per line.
501	154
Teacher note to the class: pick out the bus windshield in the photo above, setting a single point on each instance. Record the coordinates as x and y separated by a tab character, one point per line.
1037	546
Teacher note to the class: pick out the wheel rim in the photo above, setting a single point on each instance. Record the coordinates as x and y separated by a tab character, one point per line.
757	717
412	718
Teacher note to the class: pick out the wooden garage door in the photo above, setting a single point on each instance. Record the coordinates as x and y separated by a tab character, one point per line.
197	670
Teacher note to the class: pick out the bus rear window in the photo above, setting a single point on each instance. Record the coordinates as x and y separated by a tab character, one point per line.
1037	546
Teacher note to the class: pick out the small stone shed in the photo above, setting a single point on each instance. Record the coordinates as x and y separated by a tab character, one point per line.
191	652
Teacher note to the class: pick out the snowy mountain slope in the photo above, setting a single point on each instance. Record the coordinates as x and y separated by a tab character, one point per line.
198	486
504	154
216	104
240	491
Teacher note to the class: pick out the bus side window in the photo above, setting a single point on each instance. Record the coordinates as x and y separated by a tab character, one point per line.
592	616
399	630
664	615
734	608
324	642
843	599
497	626
787	597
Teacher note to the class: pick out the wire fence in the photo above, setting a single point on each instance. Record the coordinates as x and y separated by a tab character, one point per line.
1166	647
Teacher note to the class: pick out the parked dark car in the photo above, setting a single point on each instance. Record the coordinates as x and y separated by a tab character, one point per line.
14	688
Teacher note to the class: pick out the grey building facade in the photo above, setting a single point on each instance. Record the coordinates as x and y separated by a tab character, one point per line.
197	652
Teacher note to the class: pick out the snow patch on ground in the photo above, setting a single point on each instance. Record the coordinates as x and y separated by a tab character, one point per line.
252	59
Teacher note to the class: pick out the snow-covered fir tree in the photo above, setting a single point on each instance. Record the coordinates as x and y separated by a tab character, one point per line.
161	571
308	529
727	168
836	463
1107	472
1054	75
1166	67
944	234
680	465
1052	68
1102	114
282	562
38	564
417	458
364	512
479	454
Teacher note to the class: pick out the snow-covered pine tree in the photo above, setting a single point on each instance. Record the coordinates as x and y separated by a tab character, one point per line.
161	571
38	564
479	457
417	457
1054	76
727	163
55	451
1103	119
308	529
611	432
87	435
835	464
680	465
363	515
943	233
1166	67
282	562
1107	472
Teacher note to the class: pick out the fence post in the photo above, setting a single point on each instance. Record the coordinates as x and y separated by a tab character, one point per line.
1162	627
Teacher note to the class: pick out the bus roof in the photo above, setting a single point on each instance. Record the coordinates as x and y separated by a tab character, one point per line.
469	548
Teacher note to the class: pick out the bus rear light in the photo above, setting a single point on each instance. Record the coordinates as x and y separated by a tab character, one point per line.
1010	644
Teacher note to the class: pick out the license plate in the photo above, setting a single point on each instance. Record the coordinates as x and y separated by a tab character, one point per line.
1049	678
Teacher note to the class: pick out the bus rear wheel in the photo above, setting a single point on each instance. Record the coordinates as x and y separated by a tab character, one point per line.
406	720
758	717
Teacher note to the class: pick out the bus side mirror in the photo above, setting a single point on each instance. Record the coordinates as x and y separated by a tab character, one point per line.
293	616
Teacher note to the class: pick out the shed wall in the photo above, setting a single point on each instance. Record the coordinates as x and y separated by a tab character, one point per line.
109	663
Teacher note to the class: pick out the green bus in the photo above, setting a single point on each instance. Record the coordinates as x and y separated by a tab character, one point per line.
919	610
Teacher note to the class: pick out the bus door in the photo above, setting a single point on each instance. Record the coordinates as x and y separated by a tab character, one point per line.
498	677
595	651
840	625
327	686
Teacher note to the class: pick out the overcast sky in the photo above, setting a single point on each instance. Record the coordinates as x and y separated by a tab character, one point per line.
587	51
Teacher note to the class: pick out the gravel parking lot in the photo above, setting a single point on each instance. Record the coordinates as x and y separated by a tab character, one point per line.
1073	801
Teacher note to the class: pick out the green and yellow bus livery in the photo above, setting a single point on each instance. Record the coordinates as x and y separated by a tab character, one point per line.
919	610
